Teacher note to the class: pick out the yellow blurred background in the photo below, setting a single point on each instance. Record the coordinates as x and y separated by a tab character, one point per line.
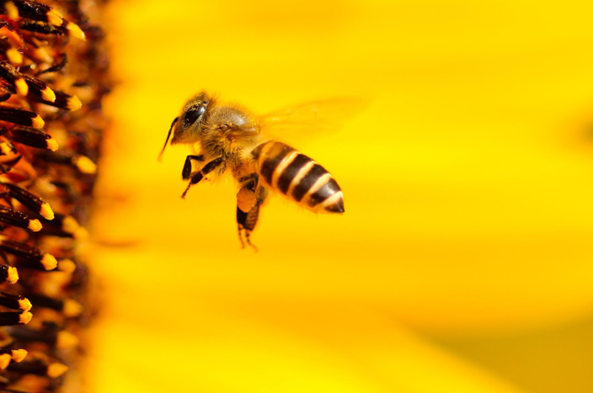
464	260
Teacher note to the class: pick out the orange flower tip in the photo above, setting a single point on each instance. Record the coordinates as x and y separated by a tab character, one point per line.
52	144
49	262
66	266
18	355
42	54
35	225
25	318
54	18
4	148
81	233
76	31
85	165
73	103
70	225
11	10
22	88
37	122
46	211
25	304
72	308
13	275
66	340
48	94
5	359
54	370
14	56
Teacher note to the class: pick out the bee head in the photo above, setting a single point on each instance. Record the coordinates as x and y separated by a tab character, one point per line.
186	127
192	116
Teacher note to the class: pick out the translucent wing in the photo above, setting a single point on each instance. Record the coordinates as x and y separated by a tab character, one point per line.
310	118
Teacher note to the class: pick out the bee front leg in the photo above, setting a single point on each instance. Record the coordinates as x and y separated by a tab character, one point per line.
209	167
187	167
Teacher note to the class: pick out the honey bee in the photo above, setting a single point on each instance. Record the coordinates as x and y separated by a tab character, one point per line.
228	138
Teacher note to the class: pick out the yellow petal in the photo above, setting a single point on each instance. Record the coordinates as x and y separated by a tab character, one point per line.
467	185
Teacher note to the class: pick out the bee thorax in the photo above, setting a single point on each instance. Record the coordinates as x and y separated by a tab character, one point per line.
229	118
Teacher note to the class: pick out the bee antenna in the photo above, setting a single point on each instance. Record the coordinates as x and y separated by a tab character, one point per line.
168	136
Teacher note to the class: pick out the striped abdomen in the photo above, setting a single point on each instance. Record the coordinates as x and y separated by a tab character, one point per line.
298	177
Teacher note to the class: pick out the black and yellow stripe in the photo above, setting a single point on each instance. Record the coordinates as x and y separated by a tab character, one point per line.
298	177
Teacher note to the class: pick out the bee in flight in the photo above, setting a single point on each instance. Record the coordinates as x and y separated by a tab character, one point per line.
230	139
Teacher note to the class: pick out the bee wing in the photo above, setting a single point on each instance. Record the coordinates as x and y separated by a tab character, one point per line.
310	118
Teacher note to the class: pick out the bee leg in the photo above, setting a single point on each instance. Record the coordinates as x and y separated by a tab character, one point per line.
209	167
247	234
249	178
246	197
186	174
241	219
246	221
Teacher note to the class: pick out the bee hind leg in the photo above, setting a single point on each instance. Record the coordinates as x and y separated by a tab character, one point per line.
245	225
246	221
246	197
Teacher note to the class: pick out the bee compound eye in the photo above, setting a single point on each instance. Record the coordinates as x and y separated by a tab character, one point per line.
193	115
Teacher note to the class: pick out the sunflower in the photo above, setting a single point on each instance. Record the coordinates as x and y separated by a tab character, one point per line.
53	76
461	263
